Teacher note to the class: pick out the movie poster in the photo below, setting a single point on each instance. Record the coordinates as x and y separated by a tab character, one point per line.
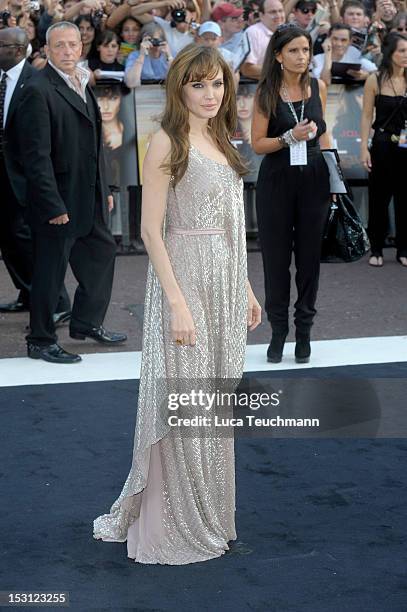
150	101
242	138
343	116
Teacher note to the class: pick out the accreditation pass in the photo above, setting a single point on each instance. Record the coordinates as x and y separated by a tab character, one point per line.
298	154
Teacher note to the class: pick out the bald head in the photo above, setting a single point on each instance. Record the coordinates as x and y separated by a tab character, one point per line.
16	41
16	36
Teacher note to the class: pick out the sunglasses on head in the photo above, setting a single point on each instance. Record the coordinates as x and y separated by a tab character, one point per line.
305	10
284	26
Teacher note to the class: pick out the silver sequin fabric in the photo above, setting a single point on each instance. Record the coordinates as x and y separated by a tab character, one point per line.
183	506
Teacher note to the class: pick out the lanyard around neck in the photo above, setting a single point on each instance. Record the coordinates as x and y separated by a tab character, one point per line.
291	106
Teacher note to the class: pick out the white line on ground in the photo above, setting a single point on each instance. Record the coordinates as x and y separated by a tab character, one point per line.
126	366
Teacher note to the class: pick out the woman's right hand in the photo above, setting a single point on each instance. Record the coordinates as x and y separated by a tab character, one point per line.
182	325
366	159
146	45
303	129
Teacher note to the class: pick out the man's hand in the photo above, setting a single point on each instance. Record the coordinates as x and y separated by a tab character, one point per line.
61	220
358	75
53	8
25	7
110	203
327	45
176	4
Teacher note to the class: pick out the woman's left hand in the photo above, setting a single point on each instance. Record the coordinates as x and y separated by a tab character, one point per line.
253	310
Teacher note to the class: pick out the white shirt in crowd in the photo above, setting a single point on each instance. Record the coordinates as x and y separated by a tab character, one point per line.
351	56
12	77
176	40
259	37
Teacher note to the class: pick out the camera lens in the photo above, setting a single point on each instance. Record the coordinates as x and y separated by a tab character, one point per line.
178	15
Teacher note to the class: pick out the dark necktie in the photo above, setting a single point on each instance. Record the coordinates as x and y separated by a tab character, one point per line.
3	87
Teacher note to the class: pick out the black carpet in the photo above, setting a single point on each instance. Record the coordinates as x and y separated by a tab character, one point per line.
321	522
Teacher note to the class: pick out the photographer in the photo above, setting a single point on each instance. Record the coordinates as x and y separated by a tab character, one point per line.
178	31
153	59
338	48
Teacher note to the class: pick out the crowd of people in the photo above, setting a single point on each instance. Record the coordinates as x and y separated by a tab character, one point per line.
141	38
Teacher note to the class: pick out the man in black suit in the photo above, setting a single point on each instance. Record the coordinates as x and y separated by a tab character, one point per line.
15	234
68	197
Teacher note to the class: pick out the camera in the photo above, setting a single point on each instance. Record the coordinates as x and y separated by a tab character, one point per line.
156	42
97	17
5	16
358	39
178	15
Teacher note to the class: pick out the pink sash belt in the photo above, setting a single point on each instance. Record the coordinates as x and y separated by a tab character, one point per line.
196	231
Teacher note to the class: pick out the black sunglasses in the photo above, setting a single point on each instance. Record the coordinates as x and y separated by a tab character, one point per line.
305	11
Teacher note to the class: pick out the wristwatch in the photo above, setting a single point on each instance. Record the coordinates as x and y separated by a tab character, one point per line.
282	142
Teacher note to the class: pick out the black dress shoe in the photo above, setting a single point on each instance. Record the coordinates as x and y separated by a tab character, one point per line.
52	353
276	347
99	334
302	348
60	318
15	306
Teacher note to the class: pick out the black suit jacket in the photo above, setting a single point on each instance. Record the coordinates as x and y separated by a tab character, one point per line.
11	152
60	162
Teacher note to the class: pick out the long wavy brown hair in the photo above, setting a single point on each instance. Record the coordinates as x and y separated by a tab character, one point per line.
268	90
195	63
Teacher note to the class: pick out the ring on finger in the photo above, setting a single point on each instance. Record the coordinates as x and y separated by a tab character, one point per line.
179	341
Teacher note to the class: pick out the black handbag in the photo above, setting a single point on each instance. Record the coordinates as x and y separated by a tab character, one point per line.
345	239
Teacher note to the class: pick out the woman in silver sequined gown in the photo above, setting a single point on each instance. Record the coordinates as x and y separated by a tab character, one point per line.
178	503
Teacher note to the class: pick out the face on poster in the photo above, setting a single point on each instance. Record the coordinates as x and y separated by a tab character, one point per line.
242	138
109	100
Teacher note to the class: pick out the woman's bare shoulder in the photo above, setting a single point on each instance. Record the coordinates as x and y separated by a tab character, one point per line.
158	150
161	141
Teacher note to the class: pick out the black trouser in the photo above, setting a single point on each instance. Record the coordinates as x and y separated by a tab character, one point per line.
292	205
15	238
92	261
16	244
387	179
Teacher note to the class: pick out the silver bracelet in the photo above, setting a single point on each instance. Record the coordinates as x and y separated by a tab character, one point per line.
289	138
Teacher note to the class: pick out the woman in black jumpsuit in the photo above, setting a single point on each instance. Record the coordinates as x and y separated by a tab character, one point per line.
292	200
385	95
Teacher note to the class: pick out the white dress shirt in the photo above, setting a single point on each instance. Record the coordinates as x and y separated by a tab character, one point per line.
82	76
12	77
